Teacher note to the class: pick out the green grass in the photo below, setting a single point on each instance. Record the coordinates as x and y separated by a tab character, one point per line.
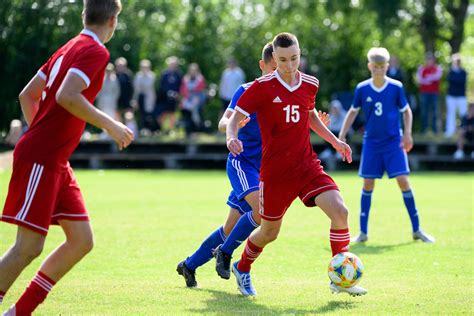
145	222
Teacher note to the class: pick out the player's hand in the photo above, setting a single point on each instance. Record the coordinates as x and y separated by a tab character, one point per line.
244	122
235	146
344	149
121	134
407	142
342	138
324	117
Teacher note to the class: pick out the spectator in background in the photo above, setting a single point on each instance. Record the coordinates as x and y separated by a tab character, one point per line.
456	98
125	79
193	98
145	96
15	132
168	93
466	133
429	76
108	96
394	71
231	79
336	116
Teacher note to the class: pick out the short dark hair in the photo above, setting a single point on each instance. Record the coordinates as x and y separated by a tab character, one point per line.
98	12
284	40
267	52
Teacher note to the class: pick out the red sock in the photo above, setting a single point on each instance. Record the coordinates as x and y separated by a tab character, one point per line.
2	294
249	255
339	239
34	294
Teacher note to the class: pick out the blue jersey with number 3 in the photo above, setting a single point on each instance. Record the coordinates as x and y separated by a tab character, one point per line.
381	107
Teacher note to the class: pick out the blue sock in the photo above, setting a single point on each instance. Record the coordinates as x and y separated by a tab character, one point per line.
204	253
409	200
365	201
241	231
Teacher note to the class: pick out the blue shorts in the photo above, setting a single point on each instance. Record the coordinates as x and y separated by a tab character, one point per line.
374	162
244	179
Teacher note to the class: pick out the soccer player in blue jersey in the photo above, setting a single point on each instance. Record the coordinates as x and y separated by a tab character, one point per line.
384	147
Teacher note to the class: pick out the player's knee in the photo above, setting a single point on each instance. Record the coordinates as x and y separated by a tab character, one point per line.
84	244
28	252
341	213
270	235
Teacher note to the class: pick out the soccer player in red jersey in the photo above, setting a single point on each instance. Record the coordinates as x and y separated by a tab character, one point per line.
285	105
57	103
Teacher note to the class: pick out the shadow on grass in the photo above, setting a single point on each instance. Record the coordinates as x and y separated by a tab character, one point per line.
364	248
230	304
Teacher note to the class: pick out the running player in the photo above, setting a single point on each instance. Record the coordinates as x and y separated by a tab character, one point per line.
57	103
284	102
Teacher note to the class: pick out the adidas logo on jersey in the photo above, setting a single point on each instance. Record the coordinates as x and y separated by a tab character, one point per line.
277	100
369	99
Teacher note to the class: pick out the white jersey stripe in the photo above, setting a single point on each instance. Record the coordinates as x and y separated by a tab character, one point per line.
234	164
28	190
244	177
310	82
33	193
81	74
310	78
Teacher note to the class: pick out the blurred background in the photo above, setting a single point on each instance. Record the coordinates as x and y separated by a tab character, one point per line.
162	45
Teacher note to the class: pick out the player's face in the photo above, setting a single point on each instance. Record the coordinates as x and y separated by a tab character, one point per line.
378	69
287	59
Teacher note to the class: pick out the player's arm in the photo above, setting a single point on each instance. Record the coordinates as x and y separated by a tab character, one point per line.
321	129
407	123
70	97
30	97
324	117
224	121
233	143
348	121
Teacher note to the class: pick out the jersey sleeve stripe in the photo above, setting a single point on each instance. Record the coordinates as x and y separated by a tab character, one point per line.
310	78
81	74
310	82
237	108
406	107
41	74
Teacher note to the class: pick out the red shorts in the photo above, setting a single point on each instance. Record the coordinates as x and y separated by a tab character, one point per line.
39	197
277	195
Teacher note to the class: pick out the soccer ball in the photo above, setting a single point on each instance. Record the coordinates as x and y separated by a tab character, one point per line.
345	269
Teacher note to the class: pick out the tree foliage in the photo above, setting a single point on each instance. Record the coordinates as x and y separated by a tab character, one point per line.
334	35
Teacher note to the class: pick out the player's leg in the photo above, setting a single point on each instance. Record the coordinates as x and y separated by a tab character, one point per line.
265	234
187	268
204	253
371	167
409	200
332	203
365	203
27	247
78	243
241	231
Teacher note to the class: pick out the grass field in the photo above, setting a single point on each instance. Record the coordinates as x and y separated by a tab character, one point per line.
145	222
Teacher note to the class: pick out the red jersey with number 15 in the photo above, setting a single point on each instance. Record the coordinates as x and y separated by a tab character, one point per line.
283	116
55	133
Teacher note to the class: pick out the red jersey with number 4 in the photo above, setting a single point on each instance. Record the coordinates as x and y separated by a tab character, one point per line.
55	133
283	116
